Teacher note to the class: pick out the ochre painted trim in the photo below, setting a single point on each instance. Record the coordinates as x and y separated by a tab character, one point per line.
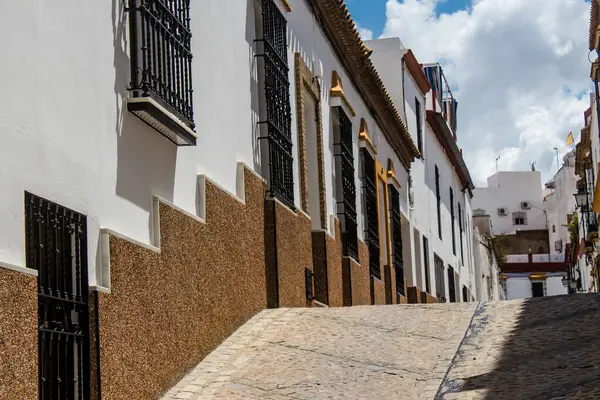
538	276
391	173
365	138
596	201
416	70
305	79
382	179
337	90
286	5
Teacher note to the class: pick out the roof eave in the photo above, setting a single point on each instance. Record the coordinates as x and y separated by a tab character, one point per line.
353	54
416	70
444	135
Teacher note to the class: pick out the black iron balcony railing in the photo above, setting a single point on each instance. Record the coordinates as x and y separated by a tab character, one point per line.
591	225
347	205
277	102
372	212
161	54
396	225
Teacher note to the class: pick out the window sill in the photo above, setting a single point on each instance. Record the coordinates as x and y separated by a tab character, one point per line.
161	120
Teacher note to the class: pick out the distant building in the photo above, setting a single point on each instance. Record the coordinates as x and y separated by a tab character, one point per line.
514	200
519	223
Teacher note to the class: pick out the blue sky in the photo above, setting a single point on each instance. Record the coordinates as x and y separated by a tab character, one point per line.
519	70
370	14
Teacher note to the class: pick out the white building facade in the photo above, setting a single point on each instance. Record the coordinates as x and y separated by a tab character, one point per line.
180	167
514	200
440	259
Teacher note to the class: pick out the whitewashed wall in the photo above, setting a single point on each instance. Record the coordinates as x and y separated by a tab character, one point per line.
508	190
486	270
519	287
67	136
559	204
387	57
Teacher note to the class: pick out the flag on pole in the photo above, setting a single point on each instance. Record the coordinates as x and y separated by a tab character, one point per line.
570	139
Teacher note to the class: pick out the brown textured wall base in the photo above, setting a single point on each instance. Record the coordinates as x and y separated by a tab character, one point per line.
356	278
413	294
327	259
18	336
427	298
294	253
378	296
168	310
334	267
319	241
390	282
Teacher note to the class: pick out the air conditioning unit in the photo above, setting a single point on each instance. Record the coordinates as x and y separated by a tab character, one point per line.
525	205
502	211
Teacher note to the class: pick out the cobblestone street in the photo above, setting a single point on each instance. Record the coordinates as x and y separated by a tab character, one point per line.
533	349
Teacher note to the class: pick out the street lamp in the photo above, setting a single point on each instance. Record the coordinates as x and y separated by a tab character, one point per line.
581	198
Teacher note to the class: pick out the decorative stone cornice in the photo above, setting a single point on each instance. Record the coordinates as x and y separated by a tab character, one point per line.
593	30
337	24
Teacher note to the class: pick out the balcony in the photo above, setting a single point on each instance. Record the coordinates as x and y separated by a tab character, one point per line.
442	95
161	68
591	225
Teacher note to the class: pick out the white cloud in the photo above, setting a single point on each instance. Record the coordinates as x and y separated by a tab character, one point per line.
365	34
515	67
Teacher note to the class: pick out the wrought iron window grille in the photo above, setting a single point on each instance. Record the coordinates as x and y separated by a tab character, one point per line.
426	264
309	278
439	201
346	206
396	225
278	119
440	285
56	246
161	67
452	227
460	225
371	212
451	285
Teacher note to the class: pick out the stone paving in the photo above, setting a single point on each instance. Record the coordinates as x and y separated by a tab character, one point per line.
536	349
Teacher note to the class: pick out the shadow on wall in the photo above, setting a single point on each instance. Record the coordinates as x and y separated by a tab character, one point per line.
145	160
552	353
254	85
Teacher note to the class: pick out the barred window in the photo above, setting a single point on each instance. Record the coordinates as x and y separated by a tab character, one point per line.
452	221
346	184
161	54
426	263
451	284
440	284
396	225
439	201
371	212
56	246
519	218
460	226
278	116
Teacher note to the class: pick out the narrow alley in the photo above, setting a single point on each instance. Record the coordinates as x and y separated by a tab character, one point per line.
521	349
